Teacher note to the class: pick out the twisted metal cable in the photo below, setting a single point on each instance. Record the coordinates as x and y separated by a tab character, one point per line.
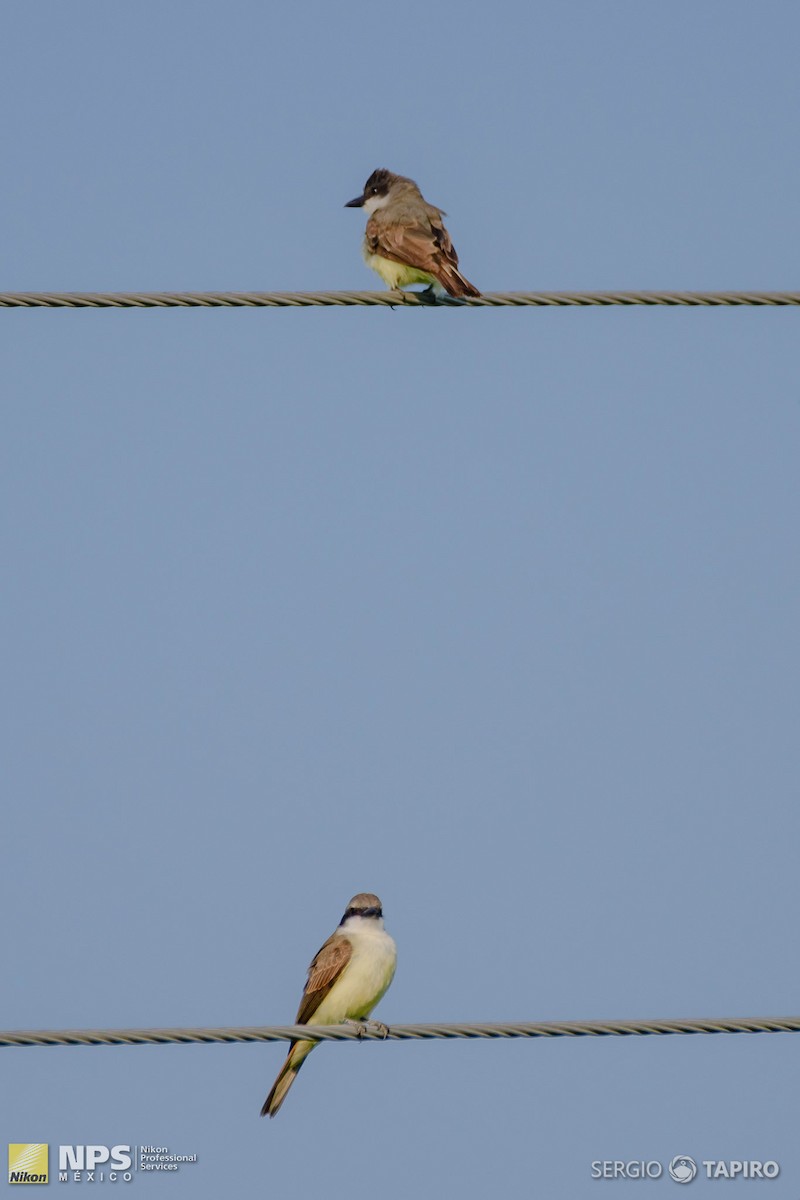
343	1033
391	299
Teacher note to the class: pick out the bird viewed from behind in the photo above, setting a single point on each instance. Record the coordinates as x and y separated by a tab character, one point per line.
405	240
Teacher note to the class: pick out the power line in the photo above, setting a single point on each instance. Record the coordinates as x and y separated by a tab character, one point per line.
343	1033
393	299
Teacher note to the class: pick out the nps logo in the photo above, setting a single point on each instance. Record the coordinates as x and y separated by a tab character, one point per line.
27	1162
87	1164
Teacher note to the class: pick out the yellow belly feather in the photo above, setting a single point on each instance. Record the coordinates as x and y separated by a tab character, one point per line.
395	274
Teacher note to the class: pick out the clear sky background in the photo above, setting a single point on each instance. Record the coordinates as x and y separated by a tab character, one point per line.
492	612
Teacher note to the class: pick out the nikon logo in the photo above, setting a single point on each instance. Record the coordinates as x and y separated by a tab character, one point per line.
27	1162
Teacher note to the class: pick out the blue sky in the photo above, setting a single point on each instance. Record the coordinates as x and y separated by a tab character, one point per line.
491	612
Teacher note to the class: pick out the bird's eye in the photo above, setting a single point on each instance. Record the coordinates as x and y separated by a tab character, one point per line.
374	191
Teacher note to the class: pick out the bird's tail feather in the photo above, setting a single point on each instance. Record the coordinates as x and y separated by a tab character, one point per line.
297	1055
280	1087
454	282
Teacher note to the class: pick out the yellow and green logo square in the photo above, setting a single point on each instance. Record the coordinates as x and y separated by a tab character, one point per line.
27	1162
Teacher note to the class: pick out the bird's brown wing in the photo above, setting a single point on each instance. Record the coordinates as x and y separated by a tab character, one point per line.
325	969
442	237
422	244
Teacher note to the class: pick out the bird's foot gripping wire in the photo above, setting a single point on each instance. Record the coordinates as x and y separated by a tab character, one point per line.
362	1028
428	295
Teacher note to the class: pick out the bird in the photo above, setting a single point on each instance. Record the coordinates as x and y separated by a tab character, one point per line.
405	240
346	979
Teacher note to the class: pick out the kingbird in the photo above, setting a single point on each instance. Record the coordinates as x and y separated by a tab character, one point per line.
406	241
346	980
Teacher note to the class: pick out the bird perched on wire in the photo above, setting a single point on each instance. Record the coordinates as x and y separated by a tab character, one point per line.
346	979
405	240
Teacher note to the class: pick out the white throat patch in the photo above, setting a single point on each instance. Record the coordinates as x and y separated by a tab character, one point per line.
373	203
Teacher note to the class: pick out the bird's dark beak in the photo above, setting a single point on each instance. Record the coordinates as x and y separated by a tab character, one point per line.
359	200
